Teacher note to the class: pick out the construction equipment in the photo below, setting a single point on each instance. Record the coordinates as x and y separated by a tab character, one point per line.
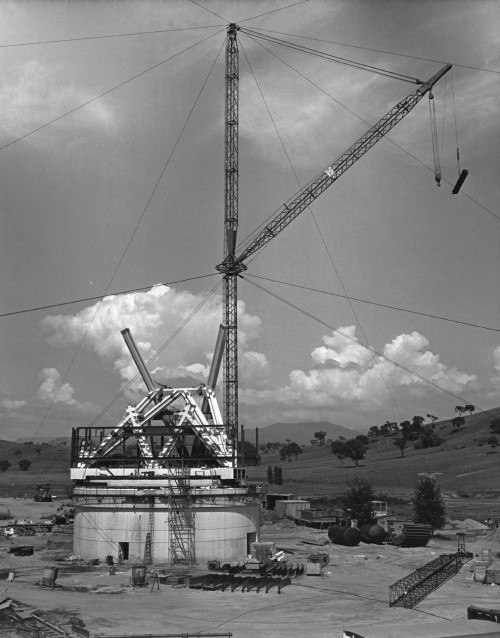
408	534
412	589
233	266
43	493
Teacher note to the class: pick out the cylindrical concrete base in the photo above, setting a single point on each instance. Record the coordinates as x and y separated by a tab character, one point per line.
223	528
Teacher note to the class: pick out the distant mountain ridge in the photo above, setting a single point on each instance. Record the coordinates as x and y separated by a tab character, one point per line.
301	433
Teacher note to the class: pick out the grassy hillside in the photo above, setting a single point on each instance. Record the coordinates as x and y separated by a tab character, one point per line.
464	465
49	464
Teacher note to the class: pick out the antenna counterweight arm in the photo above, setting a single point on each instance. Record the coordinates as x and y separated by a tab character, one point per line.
306	196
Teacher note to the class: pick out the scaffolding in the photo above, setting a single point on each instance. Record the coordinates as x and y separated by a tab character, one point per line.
148	547
412	589
181	523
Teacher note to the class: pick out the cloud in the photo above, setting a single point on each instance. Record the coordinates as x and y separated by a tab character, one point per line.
51	389
164	322
34	95
13	404
347	377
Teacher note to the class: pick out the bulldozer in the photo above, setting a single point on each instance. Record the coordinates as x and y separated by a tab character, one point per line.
43	493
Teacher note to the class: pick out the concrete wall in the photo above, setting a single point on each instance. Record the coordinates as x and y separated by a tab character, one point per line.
221	531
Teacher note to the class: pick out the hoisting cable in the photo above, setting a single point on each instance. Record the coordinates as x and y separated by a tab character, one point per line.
330	257
390	140
435	139
157	353
329	56
461	174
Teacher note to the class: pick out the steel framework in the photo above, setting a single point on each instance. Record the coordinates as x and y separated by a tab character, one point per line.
412	589
230	272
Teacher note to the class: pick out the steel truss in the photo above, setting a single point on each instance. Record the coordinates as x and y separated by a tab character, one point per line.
412	589
230	401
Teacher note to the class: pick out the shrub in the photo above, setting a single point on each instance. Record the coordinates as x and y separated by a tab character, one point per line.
24	465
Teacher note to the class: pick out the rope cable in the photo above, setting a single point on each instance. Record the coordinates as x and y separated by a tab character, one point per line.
455	120
102	37
374	303
107	92
97	297
386	137
357	46
355	341
120	261
332	262
435	139
332	58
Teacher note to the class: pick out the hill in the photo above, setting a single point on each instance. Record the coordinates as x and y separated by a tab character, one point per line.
464	464
301	433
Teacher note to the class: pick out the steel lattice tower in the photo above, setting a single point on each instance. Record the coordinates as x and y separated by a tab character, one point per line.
230	267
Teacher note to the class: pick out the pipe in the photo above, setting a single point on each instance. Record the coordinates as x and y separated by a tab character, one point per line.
138	360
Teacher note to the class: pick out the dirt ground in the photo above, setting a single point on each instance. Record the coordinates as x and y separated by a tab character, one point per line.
352	591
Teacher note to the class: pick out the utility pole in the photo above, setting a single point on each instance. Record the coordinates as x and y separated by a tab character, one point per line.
230	268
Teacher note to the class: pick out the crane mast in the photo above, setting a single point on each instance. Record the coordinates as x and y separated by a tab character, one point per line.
230	282
232	266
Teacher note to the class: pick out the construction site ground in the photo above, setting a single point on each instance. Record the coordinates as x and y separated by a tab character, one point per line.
352	591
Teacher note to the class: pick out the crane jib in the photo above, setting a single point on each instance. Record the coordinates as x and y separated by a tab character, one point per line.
301	200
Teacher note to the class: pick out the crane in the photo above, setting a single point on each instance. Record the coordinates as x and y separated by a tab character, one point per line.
233	265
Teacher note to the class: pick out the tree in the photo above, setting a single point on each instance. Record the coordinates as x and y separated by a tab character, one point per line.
278	475
17	453
458	421
4	465
320	437
355	450
470	408
495	426
294	449
407	431
493	441
362	438
433	419
374	432
401	443
24	465
428	503
357	501
338	448
460	409
270	475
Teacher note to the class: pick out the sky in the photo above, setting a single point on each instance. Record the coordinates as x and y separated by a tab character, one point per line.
112	180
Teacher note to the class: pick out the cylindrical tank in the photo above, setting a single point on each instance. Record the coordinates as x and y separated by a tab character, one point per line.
370	533
344	535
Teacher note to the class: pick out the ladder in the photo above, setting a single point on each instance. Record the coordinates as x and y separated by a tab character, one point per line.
148	547
180	523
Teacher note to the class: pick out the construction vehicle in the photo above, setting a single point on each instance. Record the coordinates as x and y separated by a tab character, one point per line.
43	493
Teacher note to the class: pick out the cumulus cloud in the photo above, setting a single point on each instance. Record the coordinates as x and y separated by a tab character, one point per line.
34	95
51	388
13	404
346	375
153	317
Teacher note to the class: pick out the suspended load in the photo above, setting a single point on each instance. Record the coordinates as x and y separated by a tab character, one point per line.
460	181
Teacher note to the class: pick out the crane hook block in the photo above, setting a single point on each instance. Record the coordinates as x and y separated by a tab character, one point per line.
460	181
